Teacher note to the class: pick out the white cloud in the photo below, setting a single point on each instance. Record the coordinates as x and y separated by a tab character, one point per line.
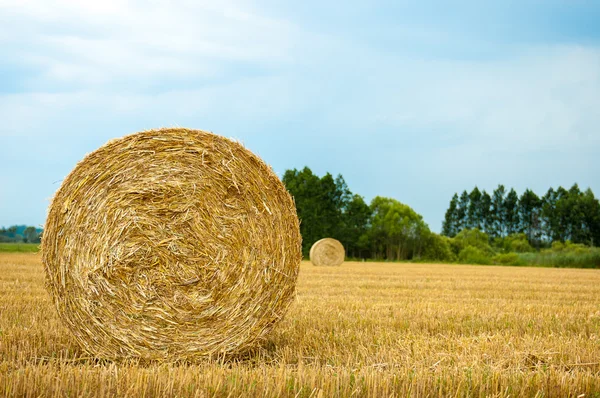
536	98
91	43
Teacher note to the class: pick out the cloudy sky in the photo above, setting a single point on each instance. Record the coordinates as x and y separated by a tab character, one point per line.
411	100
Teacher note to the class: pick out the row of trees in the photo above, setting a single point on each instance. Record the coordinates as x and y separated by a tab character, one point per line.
560	215
383	229
478	227
20	233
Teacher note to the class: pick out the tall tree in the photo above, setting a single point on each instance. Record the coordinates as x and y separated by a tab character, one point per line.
474	211
530	208
11	232
485	211
511	212
561	229
319	203
591	210
579	233
356	219
450	225
331	197
498	227
30	235
463	208
548	216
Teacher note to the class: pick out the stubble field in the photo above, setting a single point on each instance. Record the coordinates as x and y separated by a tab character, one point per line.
363	329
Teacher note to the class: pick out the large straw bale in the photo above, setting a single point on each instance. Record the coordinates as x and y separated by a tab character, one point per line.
171	244
327	252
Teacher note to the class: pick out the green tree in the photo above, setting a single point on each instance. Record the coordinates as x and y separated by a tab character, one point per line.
320	204
474	211
516	243
472	237
579	233
511	212
355	220
463	208
450	225
30	235
498	226
530	209
332	196
487	218
397	231
548	216
438	248
12	231
591	210
561	229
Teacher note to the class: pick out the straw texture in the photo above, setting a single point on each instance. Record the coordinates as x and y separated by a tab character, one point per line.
171	244
327	252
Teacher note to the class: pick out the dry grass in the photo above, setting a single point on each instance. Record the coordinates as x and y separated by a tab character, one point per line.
364	329
327	252
171	244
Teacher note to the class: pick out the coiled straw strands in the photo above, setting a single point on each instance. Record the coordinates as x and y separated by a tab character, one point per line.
171	244
327	252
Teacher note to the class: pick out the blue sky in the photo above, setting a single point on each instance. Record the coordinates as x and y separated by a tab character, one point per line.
411	100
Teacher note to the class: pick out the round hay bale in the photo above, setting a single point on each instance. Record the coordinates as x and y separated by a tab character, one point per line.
171	244
327	252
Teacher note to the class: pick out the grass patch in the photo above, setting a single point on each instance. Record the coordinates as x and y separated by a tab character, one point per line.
19	247
566	259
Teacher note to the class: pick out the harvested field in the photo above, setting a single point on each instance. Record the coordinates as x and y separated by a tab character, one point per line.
364	329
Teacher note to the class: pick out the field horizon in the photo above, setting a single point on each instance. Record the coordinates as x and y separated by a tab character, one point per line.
362	329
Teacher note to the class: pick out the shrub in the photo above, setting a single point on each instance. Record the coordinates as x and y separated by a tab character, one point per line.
438	248
473	255
508	259
564	255
517	243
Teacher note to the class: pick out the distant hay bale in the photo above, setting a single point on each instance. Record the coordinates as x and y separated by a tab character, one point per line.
327	252
171	244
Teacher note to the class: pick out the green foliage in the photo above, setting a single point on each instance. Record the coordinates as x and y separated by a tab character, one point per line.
31	235
487	217
529	216
474	219
474	238
560	215
517	243
474	255
568	255
355	225
497	226
508	259
463	208
20	234
511	213
397	232
320	203
478	228
450	225
438	248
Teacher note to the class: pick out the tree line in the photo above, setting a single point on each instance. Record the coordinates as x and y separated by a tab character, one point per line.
557	229
385	229
20	234
560	215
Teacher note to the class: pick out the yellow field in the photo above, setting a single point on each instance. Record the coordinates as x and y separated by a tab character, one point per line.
363	329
